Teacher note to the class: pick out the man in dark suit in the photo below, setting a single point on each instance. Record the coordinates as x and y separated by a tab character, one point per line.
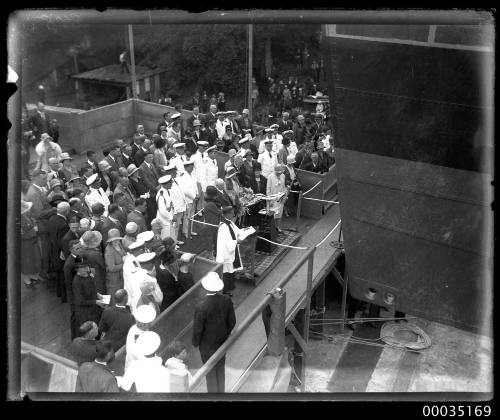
83	347
137	215
71	235
136	144
210	134
141	153
214	319
258	183
116	321
165	123
285	123
148	172
126	155
96	376
222	198
39	122
114	158
299	130
111	222
41	211
314	165
244	122
120	200
58	227
195	116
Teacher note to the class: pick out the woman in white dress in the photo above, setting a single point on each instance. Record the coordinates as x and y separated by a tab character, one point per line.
276	185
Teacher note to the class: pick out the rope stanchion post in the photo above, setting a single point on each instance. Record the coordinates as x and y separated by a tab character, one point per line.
307	317
299	209
344	300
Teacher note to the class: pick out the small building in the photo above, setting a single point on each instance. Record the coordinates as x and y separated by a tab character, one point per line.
108	84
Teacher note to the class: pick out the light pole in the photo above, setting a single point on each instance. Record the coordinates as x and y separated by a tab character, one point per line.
132	60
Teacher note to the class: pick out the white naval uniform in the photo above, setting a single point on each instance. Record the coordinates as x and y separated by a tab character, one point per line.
132	351
277	139
189	186
165	211
267	163
130	269
95	195
211	172
226	247
221	127
148	374
179	203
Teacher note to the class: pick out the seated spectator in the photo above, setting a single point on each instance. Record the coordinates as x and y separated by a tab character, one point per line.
95	376
175	363
185	278
83	348
167	272
314	165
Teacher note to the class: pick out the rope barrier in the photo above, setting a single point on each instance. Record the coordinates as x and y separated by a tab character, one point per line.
197	213
329	233
312	188
318	199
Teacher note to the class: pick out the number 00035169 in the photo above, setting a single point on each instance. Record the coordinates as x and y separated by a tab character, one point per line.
456	411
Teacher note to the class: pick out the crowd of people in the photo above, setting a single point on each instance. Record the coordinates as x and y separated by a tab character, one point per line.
106	233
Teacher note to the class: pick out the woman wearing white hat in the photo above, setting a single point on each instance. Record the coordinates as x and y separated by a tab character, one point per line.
30	251
113	256
276	185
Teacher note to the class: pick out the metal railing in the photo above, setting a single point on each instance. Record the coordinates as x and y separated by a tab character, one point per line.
241	328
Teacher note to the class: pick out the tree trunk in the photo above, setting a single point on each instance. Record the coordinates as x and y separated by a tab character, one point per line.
268	56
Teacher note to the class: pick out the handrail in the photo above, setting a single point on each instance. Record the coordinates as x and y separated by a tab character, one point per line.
121	351
50	357
222	350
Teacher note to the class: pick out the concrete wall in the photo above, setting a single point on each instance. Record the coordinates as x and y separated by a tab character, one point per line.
150	114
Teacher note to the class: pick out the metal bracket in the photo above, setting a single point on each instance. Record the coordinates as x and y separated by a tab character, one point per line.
298	337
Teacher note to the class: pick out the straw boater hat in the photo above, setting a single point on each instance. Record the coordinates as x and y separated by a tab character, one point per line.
186	257
65	156
212	282
268	141
53	160
148	342
164	179
144	314
74	177
92	179
25	206
287	132
87	224
231	171
45	136
131	228
91	239
131	169
54	182
274	126
145	236
245	111
113	235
